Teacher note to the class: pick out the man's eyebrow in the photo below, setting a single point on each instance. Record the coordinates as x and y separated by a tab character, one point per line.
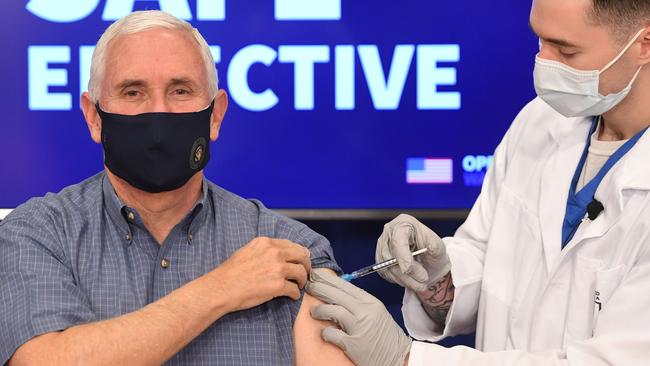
176	81
555	41
130	82
181	80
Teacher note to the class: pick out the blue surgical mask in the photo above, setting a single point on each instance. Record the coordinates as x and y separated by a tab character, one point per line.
575	93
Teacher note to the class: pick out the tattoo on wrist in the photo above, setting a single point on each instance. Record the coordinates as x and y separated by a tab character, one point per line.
438	298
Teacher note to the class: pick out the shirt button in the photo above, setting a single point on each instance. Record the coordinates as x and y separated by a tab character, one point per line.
164	263
128	237
189	236
130	216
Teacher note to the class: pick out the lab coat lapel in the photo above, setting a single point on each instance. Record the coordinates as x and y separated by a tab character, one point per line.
570	137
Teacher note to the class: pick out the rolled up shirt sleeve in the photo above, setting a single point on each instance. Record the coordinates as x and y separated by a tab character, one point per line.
272	224
280	227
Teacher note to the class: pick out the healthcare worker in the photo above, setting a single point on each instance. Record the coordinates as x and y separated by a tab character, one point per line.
552	266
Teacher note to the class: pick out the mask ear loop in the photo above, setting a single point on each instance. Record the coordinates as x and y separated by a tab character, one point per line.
615	60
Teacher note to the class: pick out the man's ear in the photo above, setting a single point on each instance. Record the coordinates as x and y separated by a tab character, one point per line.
91	115
644	57
218	112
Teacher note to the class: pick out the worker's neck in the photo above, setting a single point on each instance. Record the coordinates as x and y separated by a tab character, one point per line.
160	212
631	116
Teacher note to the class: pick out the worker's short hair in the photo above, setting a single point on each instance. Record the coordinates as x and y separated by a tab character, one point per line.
623	17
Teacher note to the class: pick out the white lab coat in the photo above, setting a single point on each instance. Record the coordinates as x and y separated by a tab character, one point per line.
530	302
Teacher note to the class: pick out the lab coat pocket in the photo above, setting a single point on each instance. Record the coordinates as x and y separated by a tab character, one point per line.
590	289
606	283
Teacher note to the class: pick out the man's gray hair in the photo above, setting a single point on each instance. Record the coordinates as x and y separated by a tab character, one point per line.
141	21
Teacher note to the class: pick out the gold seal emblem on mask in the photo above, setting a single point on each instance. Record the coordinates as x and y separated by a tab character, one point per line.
198	153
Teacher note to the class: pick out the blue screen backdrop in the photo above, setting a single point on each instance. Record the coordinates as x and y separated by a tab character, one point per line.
331	101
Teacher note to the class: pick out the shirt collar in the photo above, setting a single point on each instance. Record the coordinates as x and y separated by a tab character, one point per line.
122	215
114	207
199	212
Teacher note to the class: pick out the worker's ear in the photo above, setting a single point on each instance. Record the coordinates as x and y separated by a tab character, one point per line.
644	57
91	115
218	112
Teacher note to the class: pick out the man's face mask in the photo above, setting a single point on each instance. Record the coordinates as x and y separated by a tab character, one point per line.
575	93
156	152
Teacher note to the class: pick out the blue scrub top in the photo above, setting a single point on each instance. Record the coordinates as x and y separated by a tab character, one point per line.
576	208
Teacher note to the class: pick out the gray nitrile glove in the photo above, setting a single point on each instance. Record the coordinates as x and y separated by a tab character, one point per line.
400	238
369	336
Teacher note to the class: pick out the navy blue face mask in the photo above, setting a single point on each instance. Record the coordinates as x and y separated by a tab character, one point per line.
156	152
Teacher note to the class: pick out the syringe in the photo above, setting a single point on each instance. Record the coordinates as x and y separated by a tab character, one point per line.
375	267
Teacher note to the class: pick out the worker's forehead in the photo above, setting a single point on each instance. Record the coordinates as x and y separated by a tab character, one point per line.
561	19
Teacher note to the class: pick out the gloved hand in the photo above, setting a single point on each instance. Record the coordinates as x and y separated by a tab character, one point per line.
369	336
400	238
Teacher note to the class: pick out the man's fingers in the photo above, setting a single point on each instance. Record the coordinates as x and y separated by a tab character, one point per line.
291	290
295	253
336	337
295	272
335	313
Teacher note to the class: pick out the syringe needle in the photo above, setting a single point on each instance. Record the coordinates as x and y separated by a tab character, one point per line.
376	267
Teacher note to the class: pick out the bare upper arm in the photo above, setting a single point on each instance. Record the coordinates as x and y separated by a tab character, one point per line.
309	347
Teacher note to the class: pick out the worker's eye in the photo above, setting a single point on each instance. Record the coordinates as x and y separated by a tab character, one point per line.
567	53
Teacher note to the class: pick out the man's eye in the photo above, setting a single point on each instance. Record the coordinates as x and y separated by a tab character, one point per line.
181	92
132	93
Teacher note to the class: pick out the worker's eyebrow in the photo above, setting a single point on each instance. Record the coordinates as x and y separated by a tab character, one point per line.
560	42
555	41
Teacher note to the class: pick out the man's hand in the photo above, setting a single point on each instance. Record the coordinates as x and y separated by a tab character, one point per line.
262	270
400	238
369	336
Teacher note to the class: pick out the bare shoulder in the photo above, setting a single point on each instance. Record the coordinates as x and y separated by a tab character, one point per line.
309	348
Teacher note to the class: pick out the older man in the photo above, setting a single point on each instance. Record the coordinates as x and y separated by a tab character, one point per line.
149	262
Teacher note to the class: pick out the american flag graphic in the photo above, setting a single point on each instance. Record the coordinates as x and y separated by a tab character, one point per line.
429	171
